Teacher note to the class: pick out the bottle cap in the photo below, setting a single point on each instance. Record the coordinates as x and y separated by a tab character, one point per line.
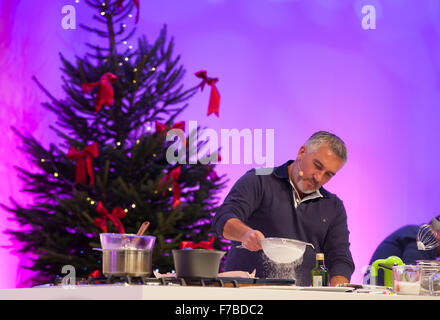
319	256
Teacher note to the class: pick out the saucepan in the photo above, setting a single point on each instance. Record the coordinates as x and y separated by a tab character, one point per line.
283	250
197	263
126	254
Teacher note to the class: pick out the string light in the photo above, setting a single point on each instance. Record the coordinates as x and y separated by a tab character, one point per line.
102	13
153	69
124	42
134	81
138	141
130	47
124	25
133	205
135	69
169	189
55	174
42	160
130	15
92	202
154	155
125	210
126	59
148	128
118	143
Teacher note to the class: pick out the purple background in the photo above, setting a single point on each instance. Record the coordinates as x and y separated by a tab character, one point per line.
293	66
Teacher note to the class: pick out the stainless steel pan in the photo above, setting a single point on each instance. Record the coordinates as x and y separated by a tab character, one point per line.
126	254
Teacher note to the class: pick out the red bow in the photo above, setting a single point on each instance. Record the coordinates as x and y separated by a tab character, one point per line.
161	127
136	3
174	175
95	274
212	175
83	160
200	245
105	91
114	217
214	100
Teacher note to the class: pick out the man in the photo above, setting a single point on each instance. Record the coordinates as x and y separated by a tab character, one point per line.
290	203
403	244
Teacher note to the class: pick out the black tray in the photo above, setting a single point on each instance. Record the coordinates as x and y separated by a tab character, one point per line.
272	281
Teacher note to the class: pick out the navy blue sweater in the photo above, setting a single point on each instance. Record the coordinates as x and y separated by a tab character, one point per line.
265	203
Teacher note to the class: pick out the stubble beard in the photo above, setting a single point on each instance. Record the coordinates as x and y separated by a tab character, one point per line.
303	188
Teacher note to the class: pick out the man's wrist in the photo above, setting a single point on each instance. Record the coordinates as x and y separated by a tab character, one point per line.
246	234
235	229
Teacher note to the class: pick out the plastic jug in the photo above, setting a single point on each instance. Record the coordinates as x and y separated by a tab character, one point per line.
387	265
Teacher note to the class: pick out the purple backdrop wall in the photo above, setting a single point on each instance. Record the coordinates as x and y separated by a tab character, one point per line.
294	66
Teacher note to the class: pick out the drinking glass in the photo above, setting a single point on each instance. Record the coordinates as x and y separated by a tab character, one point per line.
406	279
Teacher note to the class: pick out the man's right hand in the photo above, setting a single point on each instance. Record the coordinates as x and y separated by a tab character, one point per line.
252	240
236	230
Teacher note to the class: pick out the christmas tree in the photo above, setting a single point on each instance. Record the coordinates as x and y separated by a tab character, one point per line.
112	158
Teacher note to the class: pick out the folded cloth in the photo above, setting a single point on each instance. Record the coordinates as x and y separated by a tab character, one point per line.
166	275
228	274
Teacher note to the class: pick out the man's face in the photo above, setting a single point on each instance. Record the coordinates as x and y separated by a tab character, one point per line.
317	167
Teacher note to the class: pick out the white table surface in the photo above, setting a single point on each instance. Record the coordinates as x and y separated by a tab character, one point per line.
169	292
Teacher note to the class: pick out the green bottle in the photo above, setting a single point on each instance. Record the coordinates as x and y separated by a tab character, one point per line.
320	272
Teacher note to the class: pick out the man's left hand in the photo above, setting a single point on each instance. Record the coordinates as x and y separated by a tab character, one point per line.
335	280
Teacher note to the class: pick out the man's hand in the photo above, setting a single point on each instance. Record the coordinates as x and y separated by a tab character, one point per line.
335	280
236	230
252	240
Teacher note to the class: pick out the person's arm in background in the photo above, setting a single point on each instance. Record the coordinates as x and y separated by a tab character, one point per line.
242	200
409	252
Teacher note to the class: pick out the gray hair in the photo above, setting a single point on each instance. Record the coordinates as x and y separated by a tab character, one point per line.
332	141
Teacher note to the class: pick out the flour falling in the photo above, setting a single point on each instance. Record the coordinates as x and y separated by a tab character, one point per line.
277	270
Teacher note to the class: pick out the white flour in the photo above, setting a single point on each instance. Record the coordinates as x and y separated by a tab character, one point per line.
276	270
